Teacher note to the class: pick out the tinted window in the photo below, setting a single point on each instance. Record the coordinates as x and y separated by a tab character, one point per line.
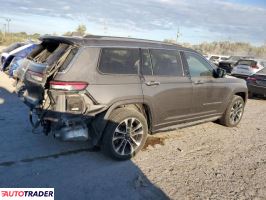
166	63
146	62
119	61
246	62
197	65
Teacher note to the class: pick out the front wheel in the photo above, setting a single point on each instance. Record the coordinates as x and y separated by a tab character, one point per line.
234	112
125	134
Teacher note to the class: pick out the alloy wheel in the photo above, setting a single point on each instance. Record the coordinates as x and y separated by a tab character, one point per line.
236	112
127	136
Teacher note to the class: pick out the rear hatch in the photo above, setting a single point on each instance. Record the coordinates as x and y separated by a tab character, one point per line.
44	62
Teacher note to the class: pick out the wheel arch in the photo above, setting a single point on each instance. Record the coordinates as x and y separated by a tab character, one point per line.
101	120
243	95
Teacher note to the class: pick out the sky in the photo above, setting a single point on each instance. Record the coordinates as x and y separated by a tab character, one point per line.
196	21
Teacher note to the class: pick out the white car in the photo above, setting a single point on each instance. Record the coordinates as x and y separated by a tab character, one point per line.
5	52
216	59
8	57
248	67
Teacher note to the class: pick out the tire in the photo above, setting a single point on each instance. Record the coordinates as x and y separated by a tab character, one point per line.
120	141
234	112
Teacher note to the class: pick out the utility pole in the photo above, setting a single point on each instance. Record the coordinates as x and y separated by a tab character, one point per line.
4	31
105	28
178	34
8	22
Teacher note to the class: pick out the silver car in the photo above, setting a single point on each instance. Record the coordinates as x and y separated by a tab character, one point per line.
248	67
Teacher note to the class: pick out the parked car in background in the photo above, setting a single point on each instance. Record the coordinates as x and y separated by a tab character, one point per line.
19	76
115	91
257	83
10	62
20	55
229	64
216	59
247	67
5	52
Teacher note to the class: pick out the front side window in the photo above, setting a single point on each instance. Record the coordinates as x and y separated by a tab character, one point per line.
166	63
119	61
197	65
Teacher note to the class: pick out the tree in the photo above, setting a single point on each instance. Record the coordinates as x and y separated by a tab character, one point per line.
81	29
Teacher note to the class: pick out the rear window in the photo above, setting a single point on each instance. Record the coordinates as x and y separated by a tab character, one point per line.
166	63
247	62
119	61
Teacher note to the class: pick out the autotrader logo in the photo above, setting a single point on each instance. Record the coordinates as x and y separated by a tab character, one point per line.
27	193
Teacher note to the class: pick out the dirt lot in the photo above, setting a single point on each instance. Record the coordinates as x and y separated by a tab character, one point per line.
206	161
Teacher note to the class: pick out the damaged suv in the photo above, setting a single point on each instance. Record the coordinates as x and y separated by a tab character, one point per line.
115	91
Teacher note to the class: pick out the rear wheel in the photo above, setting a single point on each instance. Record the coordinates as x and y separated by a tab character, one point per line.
125	134
234	112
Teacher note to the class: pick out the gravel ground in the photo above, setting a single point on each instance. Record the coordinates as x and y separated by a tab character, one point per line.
207	161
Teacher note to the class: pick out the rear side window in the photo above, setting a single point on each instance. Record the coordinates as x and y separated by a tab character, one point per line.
166	63
119	61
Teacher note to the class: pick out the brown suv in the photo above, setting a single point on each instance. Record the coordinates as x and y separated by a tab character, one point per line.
115	91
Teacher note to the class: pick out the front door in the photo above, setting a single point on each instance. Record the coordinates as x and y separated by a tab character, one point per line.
209	93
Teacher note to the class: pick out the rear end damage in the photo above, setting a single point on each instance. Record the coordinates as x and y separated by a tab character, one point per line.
63	108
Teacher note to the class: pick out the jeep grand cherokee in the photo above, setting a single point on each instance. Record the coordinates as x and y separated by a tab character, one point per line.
115	91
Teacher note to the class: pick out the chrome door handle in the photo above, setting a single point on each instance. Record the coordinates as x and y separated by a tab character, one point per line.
198	82
152	83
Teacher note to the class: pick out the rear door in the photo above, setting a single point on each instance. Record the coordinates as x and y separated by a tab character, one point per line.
209	93
166	88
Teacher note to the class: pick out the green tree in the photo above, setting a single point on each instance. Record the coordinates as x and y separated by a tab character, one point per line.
81	29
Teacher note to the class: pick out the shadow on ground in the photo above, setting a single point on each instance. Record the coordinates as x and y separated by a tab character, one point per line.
32	160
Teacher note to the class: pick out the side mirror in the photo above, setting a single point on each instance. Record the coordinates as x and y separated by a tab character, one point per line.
219	73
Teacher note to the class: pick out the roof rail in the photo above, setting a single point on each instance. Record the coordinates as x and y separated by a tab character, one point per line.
126	38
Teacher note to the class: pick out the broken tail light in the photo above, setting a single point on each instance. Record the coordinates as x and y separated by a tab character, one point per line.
36	76
68	85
